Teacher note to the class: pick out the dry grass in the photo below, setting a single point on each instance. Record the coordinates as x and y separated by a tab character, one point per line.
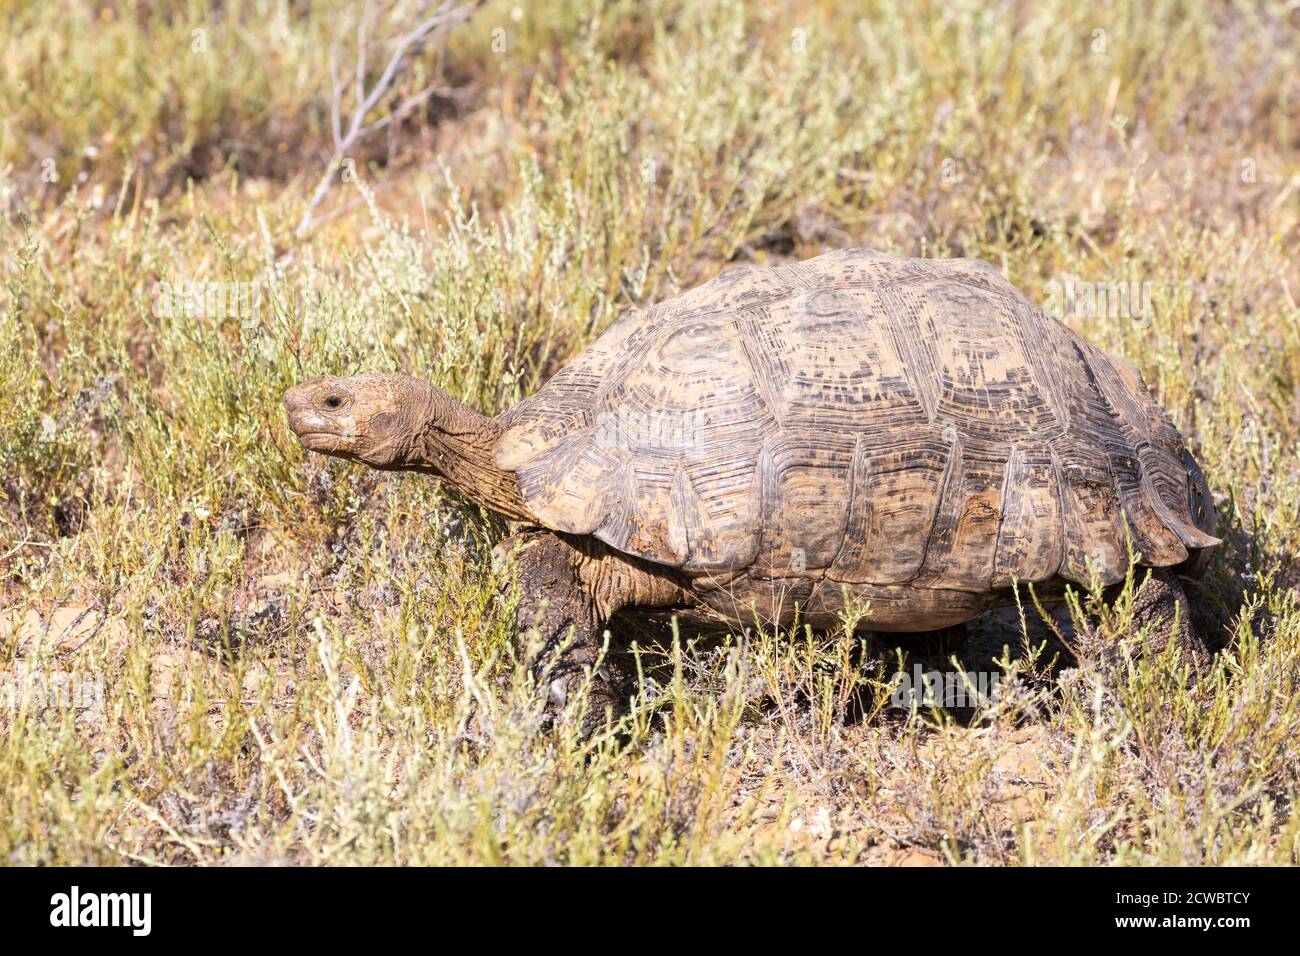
217	650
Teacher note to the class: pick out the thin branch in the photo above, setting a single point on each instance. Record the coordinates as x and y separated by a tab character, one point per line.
336	97
361	54
406	48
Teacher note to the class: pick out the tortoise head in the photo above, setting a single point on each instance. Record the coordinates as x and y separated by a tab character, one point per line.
378	420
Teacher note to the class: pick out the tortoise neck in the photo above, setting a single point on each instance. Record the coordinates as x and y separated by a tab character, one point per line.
457	444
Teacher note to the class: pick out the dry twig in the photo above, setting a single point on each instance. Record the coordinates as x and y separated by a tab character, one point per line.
405	49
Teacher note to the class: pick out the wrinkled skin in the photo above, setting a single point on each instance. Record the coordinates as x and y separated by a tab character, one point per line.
377	420
399	423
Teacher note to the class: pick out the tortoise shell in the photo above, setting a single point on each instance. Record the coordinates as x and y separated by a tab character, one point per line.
859	419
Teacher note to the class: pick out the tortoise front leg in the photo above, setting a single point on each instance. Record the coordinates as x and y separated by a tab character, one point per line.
559	621
569	588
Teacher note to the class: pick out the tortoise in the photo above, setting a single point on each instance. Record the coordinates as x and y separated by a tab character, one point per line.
909	434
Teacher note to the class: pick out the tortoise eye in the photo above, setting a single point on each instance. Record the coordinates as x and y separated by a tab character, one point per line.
333	402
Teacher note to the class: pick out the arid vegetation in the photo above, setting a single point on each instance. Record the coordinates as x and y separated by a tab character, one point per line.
216	649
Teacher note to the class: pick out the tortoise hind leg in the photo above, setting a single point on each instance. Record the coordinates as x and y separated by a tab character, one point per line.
1161	606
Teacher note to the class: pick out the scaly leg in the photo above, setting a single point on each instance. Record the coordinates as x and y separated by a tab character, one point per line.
1162	605
557	618
569	587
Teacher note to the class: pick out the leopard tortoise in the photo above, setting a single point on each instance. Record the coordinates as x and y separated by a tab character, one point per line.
910	434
